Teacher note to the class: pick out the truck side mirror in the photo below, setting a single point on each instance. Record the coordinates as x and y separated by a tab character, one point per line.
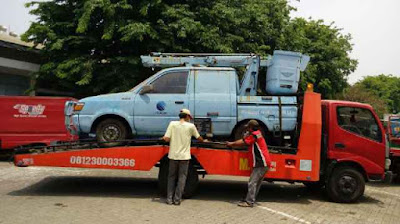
146	89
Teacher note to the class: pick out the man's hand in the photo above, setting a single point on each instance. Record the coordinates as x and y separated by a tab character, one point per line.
239	142
230	144
165	139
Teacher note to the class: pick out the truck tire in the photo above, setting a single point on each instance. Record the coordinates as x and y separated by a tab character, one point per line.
345	185
192	181
241	129
111	129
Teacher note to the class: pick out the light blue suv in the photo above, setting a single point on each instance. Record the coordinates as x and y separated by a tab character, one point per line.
212	94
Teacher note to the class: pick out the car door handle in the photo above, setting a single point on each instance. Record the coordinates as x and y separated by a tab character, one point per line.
179	102
212	114
340	145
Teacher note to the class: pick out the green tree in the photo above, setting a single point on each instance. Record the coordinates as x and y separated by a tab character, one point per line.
93	46
386	87
329	50
358	93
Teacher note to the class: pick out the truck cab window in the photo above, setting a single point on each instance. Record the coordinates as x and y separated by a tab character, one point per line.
172	82
359	121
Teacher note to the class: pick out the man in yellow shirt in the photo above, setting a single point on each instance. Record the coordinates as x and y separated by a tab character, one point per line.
179	134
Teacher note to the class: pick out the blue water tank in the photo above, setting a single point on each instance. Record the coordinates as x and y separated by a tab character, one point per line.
283	72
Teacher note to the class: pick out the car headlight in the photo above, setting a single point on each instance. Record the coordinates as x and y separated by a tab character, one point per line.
78	106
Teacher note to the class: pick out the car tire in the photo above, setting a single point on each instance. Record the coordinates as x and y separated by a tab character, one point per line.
345	185
110	130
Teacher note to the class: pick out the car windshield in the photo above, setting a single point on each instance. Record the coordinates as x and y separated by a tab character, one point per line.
140	84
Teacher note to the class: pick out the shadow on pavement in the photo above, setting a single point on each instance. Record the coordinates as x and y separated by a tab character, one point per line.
209	190
233	191
394	184
123	187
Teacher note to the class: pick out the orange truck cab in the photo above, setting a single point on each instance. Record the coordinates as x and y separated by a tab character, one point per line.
354	148
354	135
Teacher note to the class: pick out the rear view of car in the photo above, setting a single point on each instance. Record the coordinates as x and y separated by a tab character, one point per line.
32	121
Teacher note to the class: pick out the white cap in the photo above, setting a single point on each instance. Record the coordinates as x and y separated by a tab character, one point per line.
187	112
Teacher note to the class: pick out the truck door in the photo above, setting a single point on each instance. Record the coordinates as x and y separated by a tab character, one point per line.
357	135
154	110
215	98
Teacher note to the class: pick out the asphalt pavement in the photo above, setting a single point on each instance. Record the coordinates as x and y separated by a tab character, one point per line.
68	195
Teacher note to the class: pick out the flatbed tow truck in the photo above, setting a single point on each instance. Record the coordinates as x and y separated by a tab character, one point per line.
328	154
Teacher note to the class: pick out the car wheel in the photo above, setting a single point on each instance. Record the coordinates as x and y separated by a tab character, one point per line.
109	131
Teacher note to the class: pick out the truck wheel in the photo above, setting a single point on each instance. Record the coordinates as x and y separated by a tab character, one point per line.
345	185
111	130
241	129
192	181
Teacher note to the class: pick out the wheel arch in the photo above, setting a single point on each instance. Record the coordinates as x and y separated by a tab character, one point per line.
338	164
107	116
262	124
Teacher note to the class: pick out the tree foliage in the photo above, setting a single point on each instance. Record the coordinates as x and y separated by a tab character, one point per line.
382	92
386	87
357	93
93	46
329	50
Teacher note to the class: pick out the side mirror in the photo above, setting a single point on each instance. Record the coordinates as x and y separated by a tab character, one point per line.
146	89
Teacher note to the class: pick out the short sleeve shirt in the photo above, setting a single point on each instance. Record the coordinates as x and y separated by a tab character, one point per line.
180	134
258	149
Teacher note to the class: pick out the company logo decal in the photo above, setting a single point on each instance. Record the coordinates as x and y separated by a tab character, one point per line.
161	105
244	165
29	110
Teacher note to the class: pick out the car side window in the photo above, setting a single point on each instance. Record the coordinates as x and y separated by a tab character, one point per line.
172	82
359	121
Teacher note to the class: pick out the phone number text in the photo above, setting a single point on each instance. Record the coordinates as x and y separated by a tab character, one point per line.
103	161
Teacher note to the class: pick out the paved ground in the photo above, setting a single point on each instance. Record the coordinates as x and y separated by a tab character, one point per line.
63	195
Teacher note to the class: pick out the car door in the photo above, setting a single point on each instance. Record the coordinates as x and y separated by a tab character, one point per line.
215	95
154	110
358	135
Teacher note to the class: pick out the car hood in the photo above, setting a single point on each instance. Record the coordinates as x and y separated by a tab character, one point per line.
109	97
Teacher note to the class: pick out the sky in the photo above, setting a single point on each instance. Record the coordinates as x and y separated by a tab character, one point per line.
373	24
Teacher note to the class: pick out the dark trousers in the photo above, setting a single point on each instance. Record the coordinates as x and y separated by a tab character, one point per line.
255	181
177	169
